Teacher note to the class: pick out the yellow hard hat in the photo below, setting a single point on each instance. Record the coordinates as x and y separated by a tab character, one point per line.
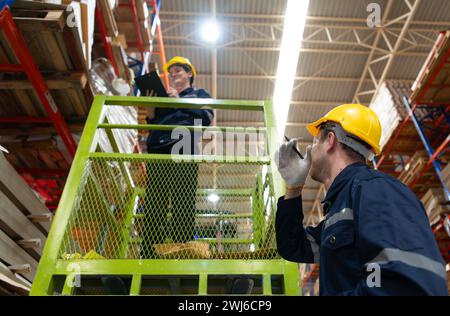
182	61
355	119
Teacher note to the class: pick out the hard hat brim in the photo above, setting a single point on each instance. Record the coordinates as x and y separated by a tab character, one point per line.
313	128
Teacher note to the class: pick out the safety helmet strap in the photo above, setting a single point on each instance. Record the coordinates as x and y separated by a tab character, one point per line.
351	141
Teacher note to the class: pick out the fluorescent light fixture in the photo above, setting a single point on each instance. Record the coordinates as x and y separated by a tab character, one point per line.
213	197
210	31
294	24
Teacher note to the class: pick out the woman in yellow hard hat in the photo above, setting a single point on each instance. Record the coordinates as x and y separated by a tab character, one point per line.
375	238
172	188
181	71
181	77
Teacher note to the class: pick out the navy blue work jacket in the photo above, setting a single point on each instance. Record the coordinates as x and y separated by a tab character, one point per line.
375	238
177	116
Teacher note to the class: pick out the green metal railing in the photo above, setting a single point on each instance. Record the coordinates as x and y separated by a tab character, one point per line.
152	218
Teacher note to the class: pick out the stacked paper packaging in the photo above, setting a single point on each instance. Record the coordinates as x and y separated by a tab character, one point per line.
388	105
83	17
126	138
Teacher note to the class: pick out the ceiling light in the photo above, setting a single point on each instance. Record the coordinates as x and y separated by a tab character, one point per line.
294	24
213	197
210	31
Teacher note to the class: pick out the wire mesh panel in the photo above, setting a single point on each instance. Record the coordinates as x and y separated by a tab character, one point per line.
124	211
163	209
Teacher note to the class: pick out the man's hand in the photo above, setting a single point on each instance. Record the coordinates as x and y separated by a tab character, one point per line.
172	92
292	168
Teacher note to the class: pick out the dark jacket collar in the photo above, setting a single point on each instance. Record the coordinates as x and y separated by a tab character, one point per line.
339	182
186	91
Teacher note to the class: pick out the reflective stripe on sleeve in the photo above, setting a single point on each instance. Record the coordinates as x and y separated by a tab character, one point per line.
412	259
343	215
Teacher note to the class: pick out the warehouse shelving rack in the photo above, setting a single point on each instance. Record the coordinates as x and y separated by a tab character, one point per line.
431	96
132	5
154	6
92	185
100	21
142	51
145	55
26	64
427	142
156	28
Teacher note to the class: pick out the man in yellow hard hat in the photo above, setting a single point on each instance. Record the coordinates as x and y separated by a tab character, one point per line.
375	238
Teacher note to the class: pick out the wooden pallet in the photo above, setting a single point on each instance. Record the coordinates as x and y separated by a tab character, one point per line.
42	154
128	29
57	50
126	25
124	13
434	204
24	221
414	167
446	174
11	283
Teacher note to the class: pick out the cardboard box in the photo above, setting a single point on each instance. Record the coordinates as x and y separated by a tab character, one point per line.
84	11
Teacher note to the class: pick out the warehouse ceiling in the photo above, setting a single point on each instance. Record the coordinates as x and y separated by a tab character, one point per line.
342	58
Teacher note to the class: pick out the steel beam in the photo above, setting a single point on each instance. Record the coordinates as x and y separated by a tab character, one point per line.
105	39
373	89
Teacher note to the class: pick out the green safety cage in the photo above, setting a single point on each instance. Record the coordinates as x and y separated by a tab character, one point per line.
150	224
